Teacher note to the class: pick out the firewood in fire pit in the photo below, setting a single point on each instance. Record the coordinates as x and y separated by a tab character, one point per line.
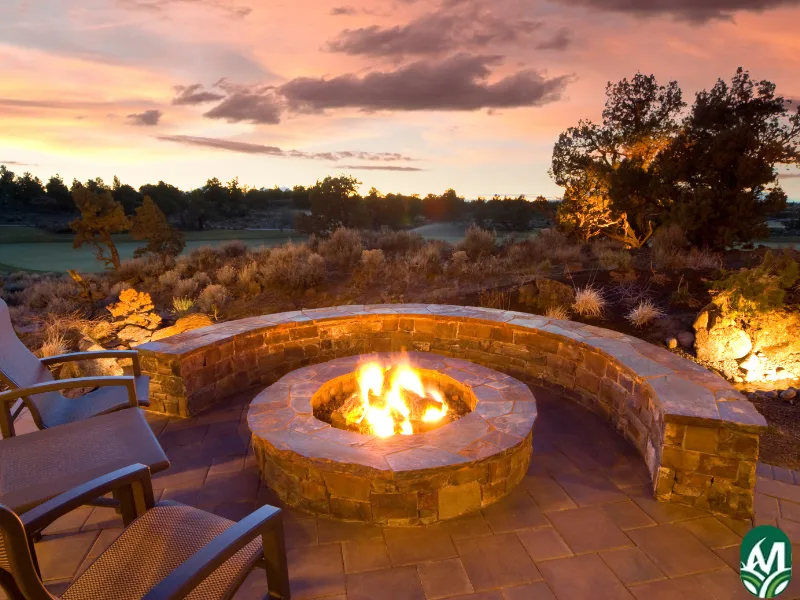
348	414
418	405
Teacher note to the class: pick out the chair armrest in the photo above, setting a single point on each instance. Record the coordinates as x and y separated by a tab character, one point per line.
137	499
132	354
79	382
188	575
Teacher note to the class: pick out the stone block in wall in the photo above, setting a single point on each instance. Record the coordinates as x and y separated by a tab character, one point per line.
455	500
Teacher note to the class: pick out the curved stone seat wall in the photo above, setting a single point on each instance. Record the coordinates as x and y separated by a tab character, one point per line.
697	434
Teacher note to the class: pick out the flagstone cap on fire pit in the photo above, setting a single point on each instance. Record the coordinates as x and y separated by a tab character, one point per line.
504	415
414	479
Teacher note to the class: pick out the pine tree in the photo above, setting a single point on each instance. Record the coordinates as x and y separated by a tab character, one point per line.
151	225
100	216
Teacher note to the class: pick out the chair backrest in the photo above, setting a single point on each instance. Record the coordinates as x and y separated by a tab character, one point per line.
18	573
19	367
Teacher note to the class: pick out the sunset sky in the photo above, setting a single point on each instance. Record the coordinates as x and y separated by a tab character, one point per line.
407	95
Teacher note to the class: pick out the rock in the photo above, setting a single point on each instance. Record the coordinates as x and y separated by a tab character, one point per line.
553	293
187	323
134	335
789	394
772	394
672	343
686	339
719	339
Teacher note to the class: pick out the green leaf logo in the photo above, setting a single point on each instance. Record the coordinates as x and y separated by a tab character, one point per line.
765	561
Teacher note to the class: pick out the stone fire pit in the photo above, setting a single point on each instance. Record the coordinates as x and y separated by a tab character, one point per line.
413	479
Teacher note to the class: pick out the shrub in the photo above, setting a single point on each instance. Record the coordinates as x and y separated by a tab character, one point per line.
115	290
203	258
458	262
393	242
372	261
54	344
233	249
615	260
760	289
557	312
643	314
181	306
499	299
426	261
247	273
226	275
184	287
201	279
700	259
552	244
342	248
169	278
478	242
293	267
135	308
212	298
589	302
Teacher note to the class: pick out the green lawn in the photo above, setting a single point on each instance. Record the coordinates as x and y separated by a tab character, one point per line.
31	249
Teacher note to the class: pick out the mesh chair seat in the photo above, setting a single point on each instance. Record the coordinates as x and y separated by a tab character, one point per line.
55	409
152	547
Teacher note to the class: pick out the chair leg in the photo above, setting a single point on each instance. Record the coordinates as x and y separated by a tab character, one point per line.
275	560
9	586
6	421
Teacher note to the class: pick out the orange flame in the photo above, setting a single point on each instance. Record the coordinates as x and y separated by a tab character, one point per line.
390	413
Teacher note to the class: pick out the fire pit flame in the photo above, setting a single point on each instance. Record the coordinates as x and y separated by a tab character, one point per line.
392	400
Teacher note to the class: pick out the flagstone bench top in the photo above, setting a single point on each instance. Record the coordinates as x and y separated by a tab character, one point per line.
685	391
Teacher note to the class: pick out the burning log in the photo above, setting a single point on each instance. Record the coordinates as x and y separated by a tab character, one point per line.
349	414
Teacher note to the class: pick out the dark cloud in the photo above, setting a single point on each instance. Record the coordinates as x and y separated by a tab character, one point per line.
148	117
789	175
17	163
696	11
194	94
379	168
343	10
257	105
249	148
443	30
459	82
456	83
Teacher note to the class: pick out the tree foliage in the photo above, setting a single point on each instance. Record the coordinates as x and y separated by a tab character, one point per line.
760	289
151	225
712	171
720	169
608	169
101	216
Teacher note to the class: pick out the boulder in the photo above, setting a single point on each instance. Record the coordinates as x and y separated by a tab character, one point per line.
187	323
789	394
672	343
685	339
546	293
134	335
719	339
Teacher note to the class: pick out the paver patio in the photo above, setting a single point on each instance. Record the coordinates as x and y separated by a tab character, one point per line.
582	524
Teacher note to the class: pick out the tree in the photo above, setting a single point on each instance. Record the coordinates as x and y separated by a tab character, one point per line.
125	195
170	199
334	203
101	216
609	170
8	188
151	225
59	193
720	169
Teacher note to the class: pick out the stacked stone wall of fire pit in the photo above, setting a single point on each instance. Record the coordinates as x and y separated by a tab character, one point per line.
697	434
403	479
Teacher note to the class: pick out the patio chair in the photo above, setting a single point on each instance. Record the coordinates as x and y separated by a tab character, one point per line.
167	551
23	372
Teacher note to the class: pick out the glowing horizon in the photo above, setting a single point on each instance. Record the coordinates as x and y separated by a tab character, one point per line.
409	96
